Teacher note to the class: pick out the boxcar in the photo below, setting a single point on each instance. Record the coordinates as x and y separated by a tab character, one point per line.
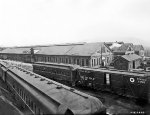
64	73
129	84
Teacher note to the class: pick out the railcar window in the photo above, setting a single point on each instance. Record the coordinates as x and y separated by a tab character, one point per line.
32	105
20	92
29	102
23	95
35	108
39	111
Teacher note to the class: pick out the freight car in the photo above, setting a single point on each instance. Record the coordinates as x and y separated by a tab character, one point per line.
130	84
64	73
44	96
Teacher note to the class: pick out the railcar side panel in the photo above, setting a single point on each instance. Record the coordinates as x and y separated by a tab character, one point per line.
28	95
117	83
99	80
61	75
135	86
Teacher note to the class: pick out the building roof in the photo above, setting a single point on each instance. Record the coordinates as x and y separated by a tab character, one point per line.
83	49
131	57
16	50
123	48
138	47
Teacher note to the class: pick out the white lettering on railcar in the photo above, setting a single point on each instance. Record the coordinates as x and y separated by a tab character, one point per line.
141	80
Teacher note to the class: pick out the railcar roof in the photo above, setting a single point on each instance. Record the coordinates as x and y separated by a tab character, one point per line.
59	65
140	74
76	101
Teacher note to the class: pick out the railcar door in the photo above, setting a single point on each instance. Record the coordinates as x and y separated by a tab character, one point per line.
98	82
107	81
117	83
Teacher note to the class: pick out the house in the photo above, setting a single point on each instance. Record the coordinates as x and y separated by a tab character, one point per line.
139	50
127	62
126	48
83	54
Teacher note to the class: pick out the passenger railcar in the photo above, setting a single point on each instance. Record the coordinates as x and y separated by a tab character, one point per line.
130	84
44	96
64	73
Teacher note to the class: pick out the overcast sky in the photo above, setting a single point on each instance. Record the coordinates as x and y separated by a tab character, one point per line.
31	22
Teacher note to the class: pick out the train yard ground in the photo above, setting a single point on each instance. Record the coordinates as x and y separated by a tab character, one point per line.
119	105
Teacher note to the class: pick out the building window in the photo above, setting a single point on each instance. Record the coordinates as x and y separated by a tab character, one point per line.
107	59
69	61
82	62
66	60
78	63
74	61
94	62
87	62
56	59
97	62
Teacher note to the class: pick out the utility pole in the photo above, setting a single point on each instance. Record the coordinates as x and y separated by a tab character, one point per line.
101	55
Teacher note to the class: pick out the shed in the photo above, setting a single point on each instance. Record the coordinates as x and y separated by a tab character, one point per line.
127	62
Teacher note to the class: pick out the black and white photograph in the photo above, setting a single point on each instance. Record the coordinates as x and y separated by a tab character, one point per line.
74	57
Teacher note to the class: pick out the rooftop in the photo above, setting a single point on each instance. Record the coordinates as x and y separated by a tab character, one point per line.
82	49
131	57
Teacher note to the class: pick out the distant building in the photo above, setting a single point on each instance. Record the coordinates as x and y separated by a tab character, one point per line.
127	62
126	48
139	50
120	48
83	54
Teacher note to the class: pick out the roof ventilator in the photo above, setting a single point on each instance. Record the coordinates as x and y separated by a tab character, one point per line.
72	89
27	72
59	87
36	76
49	82
31	74
42	79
